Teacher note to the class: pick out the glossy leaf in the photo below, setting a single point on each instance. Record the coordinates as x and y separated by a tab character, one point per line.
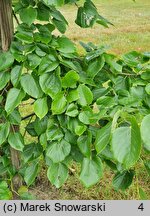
5	193
31	173
54	133
85	95
58	151
6	60
59	104
41	107
4	131
84	143
126	144
65	45
31	86
50	84
16	141
73	95
54	2
145	131
70	79
15	117
28	15
13	99
72	110
123	180
4	79
48	64
16	74
57	174
147	166
91	171
103	137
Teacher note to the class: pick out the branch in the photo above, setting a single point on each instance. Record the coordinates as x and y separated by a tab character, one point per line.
16	17
28	116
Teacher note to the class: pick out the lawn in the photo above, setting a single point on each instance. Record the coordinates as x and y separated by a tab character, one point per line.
131	31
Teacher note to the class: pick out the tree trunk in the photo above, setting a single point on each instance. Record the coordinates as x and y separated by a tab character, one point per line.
6	35
6	24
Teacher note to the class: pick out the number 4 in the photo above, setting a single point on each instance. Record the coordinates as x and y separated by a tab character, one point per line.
141	207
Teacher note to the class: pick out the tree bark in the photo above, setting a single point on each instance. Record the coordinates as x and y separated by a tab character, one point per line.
6	24
6	35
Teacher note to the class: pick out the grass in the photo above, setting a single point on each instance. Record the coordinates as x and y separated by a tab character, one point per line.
74	190
131	31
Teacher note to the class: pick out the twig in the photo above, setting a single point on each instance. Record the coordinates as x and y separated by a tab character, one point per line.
28	116
76	5
31	115
16	17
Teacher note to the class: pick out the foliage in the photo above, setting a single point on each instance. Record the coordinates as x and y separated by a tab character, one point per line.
93	109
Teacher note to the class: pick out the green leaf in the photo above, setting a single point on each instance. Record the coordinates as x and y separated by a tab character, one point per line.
103	137
5	193
80	129
142	194
16	141
95	53
57	3
15	117
43	140
4	79
126	144
16	74
84	143
50	84
145	75
60	25
65	45
131	58
54	133
91	171
6	60
31	130
123	180
72	110
31	173
43	13
85	95
31	152
73	95
59	104
31	86
33	61
40	125
13	99
24	36
4	131
48	64
28	15
88	117
95	66
57	174
70	79
147	88
75	126
106	102
147	166
58	151
41	107
145	131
